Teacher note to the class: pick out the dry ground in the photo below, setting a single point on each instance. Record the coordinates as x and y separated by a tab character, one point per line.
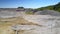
7	22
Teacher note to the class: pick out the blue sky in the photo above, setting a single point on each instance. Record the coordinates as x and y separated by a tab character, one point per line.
27	3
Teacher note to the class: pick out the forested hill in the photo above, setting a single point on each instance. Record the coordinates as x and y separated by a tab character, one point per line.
52	7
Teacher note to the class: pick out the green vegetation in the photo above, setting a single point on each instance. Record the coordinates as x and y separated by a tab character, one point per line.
57	7
20	7
29	12
52	7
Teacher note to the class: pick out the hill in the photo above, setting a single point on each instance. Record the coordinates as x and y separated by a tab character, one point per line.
48	12
52	7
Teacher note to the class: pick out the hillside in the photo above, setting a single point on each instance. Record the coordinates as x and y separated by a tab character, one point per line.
52	7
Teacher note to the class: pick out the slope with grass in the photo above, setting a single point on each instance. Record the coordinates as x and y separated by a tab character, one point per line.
52	7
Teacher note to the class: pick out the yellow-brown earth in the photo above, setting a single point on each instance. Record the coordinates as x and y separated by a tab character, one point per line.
6	23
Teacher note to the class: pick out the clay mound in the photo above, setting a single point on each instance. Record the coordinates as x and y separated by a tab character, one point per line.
48	12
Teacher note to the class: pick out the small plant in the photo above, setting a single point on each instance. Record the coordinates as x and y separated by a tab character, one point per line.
29	12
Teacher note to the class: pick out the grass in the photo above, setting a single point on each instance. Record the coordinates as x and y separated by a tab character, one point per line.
29	12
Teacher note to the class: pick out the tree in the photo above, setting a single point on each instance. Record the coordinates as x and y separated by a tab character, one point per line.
57	7
52	7
20	7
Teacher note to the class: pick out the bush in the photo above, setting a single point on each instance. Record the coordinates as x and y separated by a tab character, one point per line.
29	12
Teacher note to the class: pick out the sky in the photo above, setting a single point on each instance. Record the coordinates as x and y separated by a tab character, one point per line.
27	3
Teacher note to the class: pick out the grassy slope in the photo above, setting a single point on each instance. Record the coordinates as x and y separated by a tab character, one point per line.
55	7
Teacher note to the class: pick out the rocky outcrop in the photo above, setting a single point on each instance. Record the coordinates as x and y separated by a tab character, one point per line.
49	23
48	12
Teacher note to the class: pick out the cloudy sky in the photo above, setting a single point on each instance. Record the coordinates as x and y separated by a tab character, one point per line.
27	3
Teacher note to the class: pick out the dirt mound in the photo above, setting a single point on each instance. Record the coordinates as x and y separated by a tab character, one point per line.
48	12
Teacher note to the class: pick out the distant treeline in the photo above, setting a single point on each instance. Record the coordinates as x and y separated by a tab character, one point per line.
52	7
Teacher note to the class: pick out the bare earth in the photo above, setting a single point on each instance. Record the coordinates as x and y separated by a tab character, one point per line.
44	25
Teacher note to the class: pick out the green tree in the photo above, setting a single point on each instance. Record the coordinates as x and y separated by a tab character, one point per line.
52	7
20	7
57	7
